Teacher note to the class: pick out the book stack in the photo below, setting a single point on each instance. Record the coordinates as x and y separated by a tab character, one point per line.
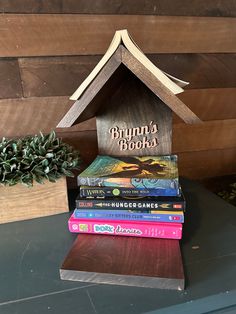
130	196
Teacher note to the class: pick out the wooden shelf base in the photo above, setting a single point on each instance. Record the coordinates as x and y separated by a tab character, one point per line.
140	262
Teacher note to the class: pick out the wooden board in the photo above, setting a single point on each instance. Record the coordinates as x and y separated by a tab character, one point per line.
20	202
88	34
57	76
152	263
122	113
162	7
192	164
10	81
209	135
201	70
208	104
208	163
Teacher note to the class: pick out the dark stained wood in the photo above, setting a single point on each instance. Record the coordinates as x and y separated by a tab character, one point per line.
10	81
85	108
88	34
46	112
36	114
54	76
200	70
210	104
207	163
153	7
208	135
84	142
132	106
161	91
57	76
153	263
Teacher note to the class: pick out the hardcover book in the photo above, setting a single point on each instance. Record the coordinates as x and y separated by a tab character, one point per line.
130	215
174	203
124	228
149	172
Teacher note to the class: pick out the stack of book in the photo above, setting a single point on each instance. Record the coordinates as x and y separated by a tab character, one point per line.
130	196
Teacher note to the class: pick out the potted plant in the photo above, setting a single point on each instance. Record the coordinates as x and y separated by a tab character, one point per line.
32	176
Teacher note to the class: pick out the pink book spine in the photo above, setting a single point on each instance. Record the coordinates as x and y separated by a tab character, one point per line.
123	228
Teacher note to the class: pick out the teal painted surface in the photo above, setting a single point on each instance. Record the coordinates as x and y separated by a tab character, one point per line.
31	253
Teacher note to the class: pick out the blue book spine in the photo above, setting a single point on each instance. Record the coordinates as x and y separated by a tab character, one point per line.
126	192
127	215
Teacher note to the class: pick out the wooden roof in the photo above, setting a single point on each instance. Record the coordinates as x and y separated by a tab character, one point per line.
91	100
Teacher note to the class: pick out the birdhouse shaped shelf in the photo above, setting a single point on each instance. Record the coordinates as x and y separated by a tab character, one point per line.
132	100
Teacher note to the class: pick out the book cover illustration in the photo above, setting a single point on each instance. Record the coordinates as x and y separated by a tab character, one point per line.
132	172
130	215
121	228
174	203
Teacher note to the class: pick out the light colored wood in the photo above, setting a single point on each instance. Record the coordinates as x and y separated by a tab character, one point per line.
20	202
52	34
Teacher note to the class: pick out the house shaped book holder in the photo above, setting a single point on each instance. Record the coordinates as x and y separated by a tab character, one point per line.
133	102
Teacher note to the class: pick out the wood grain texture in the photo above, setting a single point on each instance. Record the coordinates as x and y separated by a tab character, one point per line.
152	7
52	34
158	88
123	113
211	104
46	112
94	96
57	76
154	263
10	81
206	164
208	135
20	202
54	76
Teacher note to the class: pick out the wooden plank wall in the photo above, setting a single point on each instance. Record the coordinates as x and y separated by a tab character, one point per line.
47	48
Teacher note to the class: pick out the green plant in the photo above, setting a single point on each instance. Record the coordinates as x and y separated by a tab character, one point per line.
230	194
36	158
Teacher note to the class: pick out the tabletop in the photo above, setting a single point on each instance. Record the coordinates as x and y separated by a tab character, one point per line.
32	252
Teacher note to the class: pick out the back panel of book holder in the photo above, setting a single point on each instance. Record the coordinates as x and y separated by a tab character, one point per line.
134	122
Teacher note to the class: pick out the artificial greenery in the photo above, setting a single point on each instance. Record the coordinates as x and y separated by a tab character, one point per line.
36	158
229	195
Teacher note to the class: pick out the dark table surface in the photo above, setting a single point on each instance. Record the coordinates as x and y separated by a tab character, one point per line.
32	252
